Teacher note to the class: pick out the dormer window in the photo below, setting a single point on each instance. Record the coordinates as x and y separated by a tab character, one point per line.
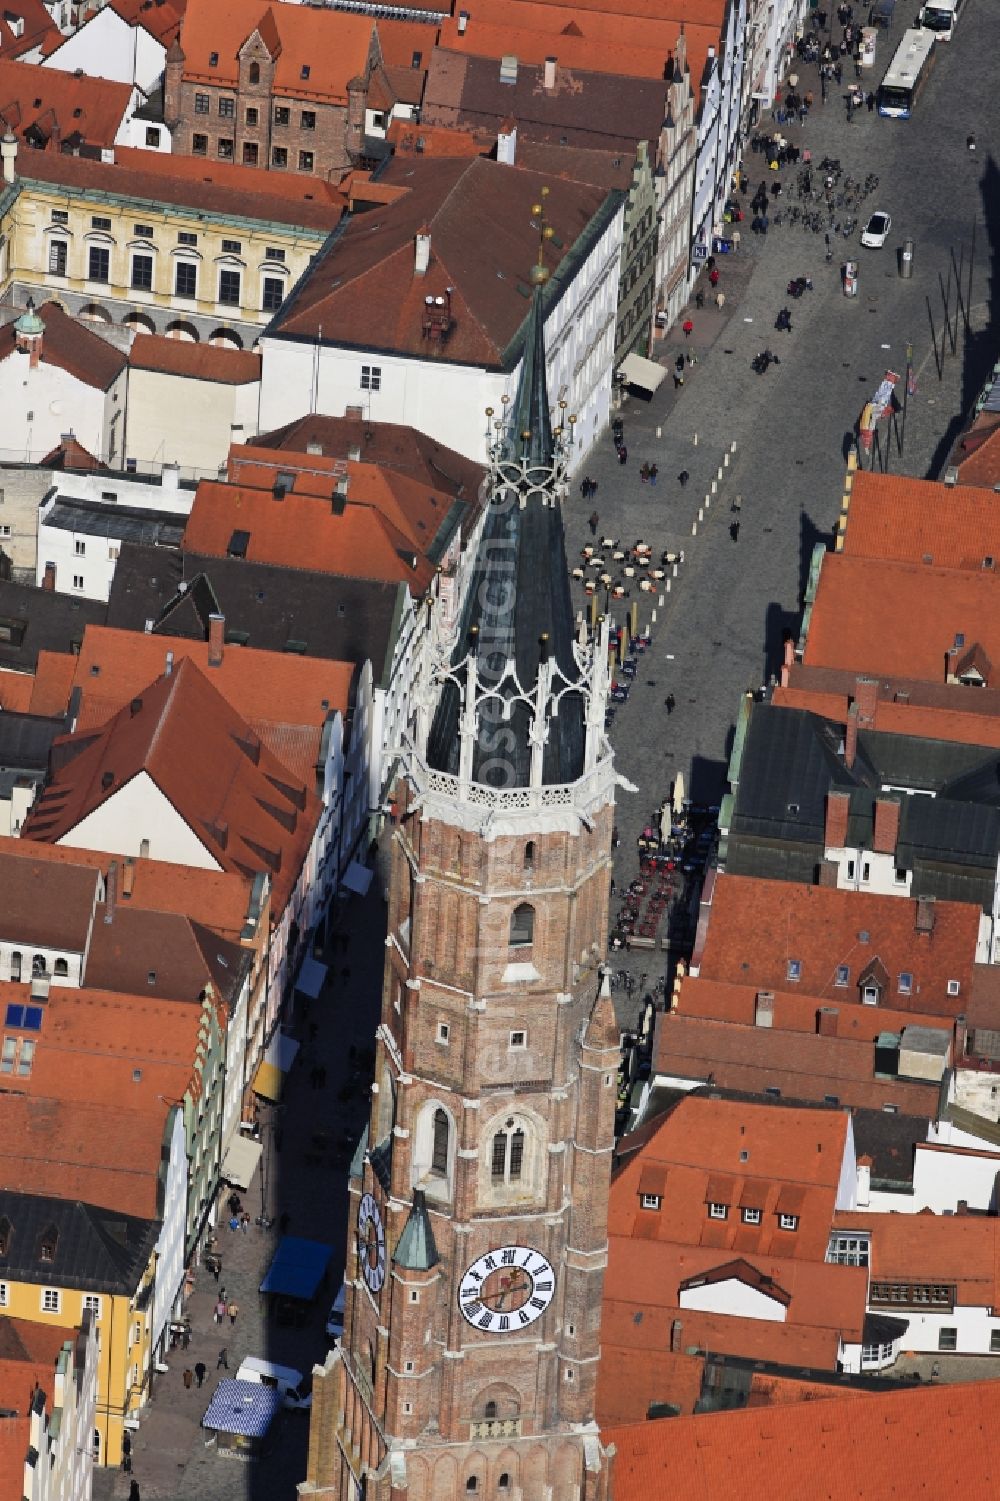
718	1211
751	1216
6	1231
869	995
788	1221
47	1243
650	1201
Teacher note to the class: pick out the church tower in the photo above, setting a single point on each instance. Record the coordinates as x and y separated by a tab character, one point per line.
477	1235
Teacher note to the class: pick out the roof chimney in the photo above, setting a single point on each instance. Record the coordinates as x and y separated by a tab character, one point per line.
128	876
826	1021
838	809
851	736
422	256
169	666
887	811
111	892
866	698
763	1009
216	639
676	1335
49	576
8	155
507	142
463	22
549	76
926	914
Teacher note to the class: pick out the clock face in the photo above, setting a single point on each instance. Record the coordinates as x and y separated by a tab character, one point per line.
505	1290
371	1243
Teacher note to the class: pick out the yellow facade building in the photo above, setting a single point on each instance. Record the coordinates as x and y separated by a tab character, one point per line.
59	1261
158	243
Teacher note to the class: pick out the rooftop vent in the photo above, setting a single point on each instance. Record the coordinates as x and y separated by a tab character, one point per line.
107	780
864	936
951	475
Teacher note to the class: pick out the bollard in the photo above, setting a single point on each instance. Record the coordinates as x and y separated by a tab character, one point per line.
694	528
652	617
701	513
732	446
634	622
659	432
719	473
725	461
906	260
715	487
708	501
696	440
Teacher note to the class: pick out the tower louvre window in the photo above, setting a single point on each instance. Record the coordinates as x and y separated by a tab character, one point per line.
522	926
507	1156
439	1147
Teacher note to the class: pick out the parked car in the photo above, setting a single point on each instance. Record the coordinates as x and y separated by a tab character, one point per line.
876	231
295	1389
335	1321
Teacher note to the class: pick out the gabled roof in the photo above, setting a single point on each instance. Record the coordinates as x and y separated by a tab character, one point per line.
898	519
93	1249
164	954
44	905
798	1011
297	37
364	291
938	1440
245	807
55	106
961	1250
37	29
757	929
226	367
69	345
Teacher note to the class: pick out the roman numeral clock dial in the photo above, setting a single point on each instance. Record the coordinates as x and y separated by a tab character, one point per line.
505	1290
371	1243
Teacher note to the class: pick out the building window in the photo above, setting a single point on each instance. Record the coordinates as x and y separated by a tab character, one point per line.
229	288
529	855
718	1211
308	119
849	1250
51	1299
947	1340
213	59
843	974
61	968
788	1221
15	964
249	154
142	273
649	1201
225	149
518	1039
142	231
6	531
99	223
899	876
869	995
274	253
274	293
522	926
371	377
232	247
282	115
60	216
227	108
443	1033
378	119
254	74
906	983
186	279
4	1295
78	581
79	548
92	1304
305	161
866	871
954	987
252	115
279	156
186	237
306	70
99	263
199	145
57	257
995	1341
17	1056
439	1144
751	1216
202	104
152	136
508	1153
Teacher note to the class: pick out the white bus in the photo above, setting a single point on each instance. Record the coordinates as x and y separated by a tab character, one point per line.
906	74
941	17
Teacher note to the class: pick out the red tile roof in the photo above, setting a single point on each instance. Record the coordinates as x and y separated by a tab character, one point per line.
366	293
68	344
52	682
226	367
976	722
56	106
940	1441
721	1001
410	138
621	45
297	35
70	454
28	1354
896	518
756	928
977	454
15	691
190	183
958	1249
245	807
860	603
274	692
800	1065
161	18
38	28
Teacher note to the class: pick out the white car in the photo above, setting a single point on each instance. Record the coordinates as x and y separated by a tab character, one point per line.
876	231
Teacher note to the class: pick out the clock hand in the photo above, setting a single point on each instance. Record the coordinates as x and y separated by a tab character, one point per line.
515	1287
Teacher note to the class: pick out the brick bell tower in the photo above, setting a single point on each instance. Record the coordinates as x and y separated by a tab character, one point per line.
477	1234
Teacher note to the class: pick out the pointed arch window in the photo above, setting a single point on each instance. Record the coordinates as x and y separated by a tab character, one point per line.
522	926
507	1158
439	1145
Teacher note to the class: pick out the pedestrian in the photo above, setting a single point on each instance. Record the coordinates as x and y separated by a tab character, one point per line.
186	1336
653	472
734	530
127	1452
870	101
200	1371
216	1266
188	1378
623	455
234	1309
593	519
220	1310
720	300
222	1364
713	276
133	1491
699	299
679	363
683	477
245	1221
644	472
678	380
670	702
688	328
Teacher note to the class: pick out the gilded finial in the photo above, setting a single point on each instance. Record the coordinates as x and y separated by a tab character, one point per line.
539	271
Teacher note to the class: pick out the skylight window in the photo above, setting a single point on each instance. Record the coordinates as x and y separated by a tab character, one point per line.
794	969
28	1018
843	974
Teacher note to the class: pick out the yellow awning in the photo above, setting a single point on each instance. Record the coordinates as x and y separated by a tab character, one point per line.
268	1080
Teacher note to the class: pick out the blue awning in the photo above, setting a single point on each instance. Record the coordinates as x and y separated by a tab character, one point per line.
298	1268
242	1407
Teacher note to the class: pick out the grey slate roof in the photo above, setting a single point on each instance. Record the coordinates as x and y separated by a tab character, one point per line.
25	740
415	1250
95	1250
340	619
127	523
43	620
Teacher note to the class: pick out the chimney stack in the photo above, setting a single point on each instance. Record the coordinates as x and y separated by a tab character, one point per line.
826	1021
216	639
549	76
851	736
8	155
763	1009
926	914
961	1038
866	699
111	892
49	577
507	142
422	254
838	809
887	811
676	1335
128	876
